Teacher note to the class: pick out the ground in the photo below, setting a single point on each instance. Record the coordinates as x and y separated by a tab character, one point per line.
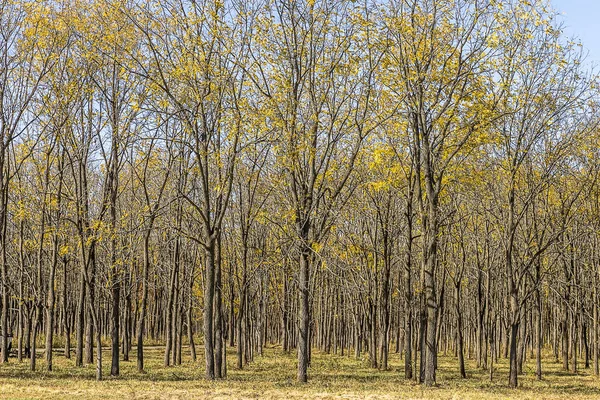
273	377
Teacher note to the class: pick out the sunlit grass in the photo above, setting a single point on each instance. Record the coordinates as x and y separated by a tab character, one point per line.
273	376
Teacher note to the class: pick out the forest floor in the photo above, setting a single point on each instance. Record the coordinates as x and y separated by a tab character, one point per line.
273	377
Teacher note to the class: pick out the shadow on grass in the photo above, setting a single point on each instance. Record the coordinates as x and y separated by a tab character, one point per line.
276	371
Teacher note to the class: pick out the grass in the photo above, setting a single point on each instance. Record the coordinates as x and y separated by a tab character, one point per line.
273	377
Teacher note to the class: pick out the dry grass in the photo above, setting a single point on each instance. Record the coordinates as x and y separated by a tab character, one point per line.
273	377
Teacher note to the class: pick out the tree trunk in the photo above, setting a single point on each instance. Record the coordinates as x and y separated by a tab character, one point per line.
596	322
190	315
80	321
209	297
304	314
514	333
144	306
241	312
218	315
52	276
66	322
169	325
538	336
459	333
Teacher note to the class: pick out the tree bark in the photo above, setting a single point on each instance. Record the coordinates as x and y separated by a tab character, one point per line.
209	296
304	316
144	306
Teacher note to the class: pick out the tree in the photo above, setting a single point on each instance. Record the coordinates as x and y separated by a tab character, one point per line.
437	60
320	89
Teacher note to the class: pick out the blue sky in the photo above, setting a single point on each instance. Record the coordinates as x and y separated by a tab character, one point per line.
581	18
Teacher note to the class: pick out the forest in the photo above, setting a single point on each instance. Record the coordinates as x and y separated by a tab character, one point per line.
409	188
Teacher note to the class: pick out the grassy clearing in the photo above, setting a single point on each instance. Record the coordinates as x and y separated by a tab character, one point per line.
273	377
